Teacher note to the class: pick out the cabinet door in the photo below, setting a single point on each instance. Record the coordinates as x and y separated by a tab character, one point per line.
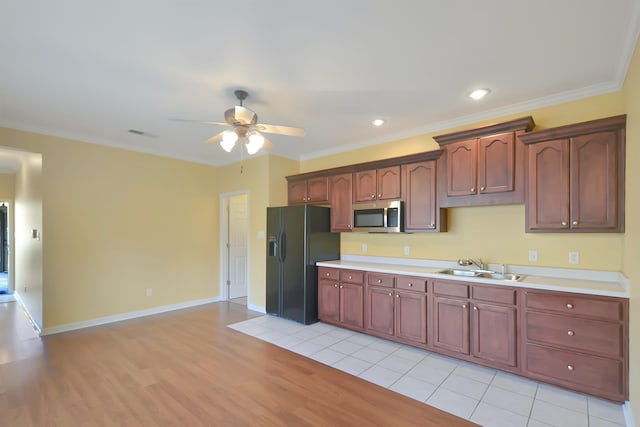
341	202
451	324
328	300
462	165
365	186
318	189
411	316
496	163
380	310
388	183
297	192
351	305
420	196
548	186
493	333
594	181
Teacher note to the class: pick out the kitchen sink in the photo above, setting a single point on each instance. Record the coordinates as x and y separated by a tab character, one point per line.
484	275
467	273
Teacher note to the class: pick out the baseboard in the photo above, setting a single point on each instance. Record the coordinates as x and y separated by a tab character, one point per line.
257	308
20	301
126	316
628	414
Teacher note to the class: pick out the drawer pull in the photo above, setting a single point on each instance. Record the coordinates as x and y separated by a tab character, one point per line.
379	280
569	306
349	277
570	367
410	285
327	274
571	333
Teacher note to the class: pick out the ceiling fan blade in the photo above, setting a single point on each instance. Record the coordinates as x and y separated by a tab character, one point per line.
268	145
202	122
215	138
281	130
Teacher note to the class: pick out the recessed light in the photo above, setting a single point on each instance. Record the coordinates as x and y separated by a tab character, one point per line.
378	122
479	94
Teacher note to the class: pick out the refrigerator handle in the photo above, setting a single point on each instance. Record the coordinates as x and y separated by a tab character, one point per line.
273	246
283	247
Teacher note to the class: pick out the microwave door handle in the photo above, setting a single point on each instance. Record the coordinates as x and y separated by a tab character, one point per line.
384	217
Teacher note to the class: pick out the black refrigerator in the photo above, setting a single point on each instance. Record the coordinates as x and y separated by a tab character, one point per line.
297	238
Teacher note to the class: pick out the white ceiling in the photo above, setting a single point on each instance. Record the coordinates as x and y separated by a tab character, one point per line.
93	70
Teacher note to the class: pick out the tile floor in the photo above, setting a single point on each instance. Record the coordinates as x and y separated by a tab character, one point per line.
482	395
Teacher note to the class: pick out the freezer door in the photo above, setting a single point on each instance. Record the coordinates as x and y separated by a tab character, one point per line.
274	266
293	250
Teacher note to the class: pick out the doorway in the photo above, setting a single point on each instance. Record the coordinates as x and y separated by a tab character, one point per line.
234	243
5	260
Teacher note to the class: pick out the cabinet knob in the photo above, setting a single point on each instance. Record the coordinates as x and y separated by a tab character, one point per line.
341	286
564	223
475	308
390	294
327	274
464	305
349	277
473	189
373	196
575	223
571	333
335	286
433	224
349	226
570	367
410	285
379	196
482	188
379	280
569	305
397	295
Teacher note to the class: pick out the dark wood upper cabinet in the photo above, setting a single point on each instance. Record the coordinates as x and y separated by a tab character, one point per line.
483	166
576	177
421	210
340	191
377	184
312	190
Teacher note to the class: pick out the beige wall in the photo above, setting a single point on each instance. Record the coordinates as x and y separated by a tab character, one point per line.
7	186
29	248
116	222
632	236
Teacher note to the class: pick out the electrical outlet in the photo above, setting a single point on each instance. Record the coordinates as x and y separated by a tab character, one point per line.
574	257
364	248
407	250
533	255
149	292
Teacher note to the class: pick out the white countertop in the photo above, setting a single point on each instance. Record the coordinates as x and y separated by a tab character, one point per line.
590	282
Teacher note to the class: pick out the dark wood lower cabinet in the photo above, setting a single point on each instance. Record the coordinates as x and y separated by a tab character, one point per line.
451	324
493	333
341	297
571	340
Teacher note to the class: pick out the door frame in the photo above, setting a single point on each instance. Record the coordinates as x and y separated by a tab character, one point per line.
224	254
11	243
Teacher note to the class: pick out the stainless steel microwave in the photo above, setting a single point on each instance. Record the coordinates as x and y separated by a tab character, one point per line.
380	217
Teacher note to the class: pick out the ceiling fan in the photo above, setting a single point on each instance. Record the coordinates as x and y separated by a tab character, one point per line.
244	126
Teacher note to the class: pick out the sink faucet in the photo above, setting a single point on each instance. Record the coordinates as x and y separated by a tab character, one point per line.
469	261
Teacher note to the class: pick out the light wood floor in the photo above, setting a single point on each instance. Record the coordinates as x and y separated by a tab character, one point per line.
183	368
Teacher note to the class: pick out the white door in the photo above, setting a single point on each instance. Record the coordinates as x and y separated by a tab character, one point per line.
238	224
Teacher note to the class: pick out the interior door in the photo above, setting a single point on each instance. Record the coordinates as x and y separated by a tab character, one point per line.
237	245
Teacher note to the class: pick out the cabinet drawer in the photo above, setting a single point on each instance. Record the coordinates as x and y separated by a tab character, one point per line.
593	336
411	283
380	279
494	294
451	289
609	309
352	276
594	375
328	273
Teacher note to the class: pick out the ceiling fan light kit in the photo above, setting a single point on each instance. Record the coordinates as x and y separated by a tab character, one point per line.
246	128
